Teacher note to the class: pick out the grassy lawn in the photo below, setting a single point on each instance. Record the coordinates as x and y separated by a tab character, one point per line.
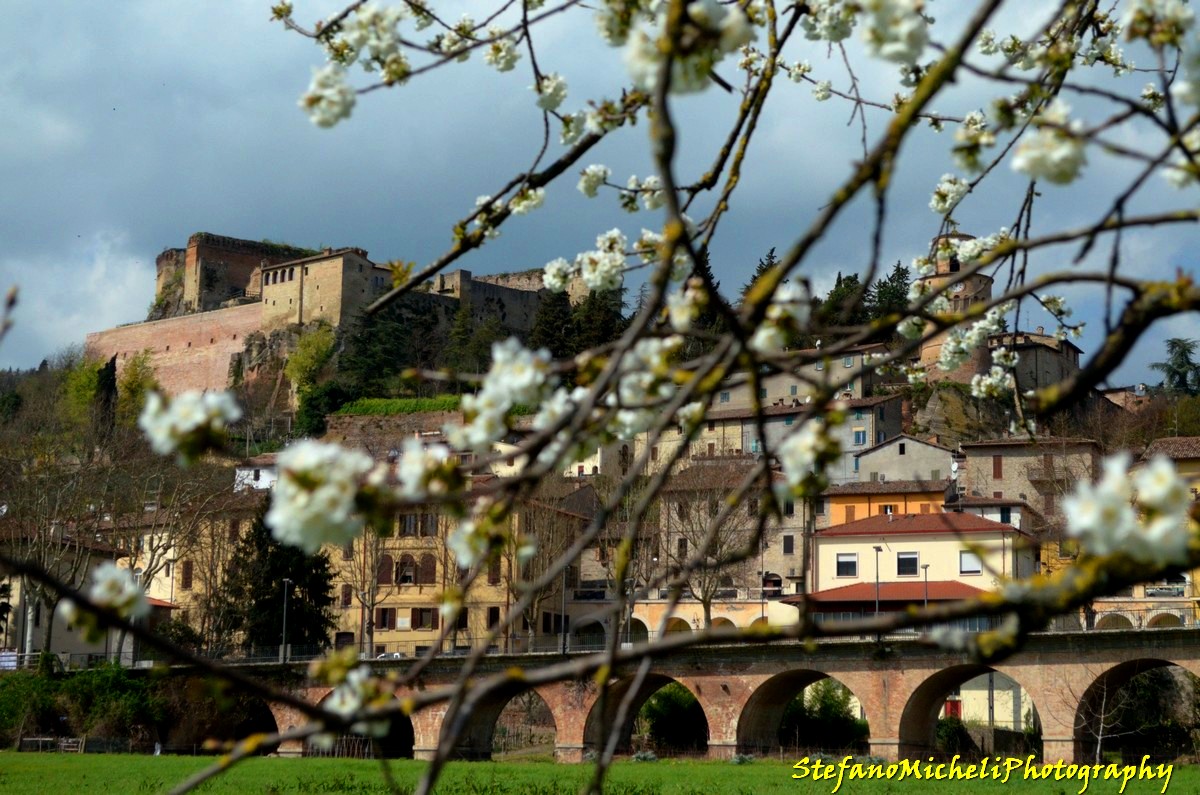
91	774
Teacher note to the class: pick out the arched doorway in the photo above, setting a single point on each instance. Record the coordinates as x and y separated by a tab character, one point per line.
1113	621
636	631
1165	621
934	721
723	623
802	710
685	734
588	637
677	624
761	622
194	715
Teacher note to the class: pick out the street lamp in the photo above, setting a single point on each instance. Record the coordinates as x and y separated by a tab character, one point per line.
283	650
878	549
925	568
564	610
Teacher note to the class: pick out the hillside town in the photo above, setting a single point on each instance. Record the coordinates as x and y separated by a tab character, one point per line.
935	496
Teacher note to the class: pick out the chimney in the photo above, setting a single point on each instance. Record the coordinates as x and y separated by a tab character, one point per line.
1041	329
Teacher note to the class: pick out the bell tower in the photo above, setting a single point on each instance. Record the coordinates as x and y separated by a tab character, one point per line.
961	291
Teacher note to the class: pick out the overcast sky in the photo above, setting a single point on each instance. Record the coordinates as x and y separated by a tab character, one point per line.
130	126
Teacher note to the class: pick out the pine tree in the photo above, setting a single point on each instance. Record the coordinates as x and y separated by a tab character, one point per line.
254	592
764	264
711	318
552	326
598	319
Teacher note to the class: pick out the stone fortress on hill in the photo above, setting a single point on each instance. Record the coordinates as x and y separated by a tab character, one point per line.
217	300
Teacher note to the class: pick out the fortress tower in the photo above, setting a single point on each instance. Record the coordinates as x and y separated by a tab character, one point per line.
965	291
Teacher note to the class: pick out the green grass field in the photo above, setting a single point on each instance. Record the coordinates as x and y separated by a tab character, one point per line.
95	774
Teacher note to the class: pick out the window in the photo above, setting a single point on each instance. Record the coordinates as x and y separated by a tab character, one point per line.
654	453
681	546
789	420
907	564
493	617
427	571
762	393
849	513
385	618
789	545
724	397
847	361
424	618
935	474
997	467
902	448
858	414
185	576
856	464
968	563
1049	505
494	571
348	551
406	570
887	510
847	564
860	436
880	415
1006	515
789	508
793	391
385	571
820	508
712	449
820	365
461	624
712	426
408	525
428	525
999	495
347	594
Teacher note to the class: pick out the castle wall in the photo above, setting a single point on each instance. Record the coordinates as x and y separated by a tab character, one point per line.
219	268
188	352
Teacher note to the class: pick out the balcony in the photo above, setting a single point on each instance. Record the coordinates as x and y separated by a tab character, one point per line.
1054	473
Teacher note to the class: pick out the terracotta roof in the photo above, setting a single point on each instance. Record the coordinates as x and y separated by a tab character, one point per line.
897	438
908	591
160	603
796	407
723	474
328	254
1026	441
887	487
1174	447
917	523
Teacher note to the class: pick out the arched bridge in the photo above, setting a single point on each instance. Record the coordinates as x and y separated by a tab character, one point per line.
744	689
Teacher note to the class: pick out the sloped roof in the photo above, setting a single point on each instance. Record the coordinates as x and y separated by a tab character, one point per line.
1037	441
887	487
917	524
1174	447
906	592
897	438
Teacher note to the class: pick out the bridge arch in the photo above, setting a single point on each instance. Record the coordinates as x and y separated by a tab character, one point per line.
919	718
477	738
1114	620
397	744
677	624
603	713
1095	703
588	636
762	716
722	622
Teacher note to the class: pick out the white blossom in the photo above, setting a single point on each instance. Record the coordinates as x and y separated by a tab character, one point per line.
948	193
1160	22
329	98
768	339
1181	171
314	502
996	383
527	200
1154	98
416	466
1055	152
551	91
987	42
895	29
823	90
970	139
353	694
828	20
798	71
557	275
114	587
1159	487
183	423
502	52
600	270
801	452
653	196
683	306
592	178
468	543
713	31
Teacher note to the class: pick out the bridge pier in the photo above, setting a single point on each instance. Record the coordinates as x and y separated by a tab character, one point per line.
1056	748
887	748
